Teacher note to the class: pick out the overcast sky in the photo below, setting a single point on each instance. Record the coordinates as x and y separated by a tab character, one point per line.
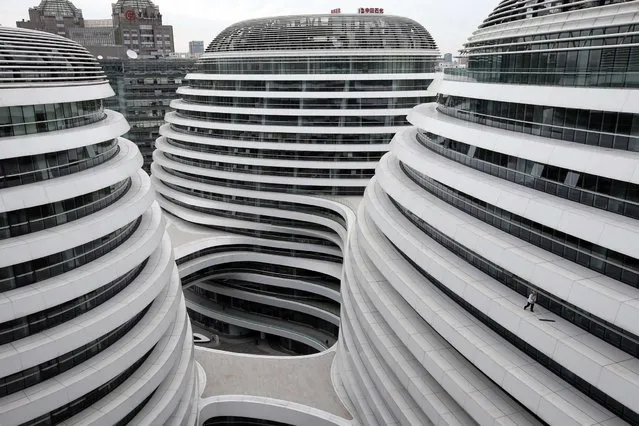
450	22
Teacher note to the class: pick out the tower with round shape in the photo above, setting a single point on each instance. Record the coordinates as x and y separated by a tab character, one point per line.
522	179
93	324
269	150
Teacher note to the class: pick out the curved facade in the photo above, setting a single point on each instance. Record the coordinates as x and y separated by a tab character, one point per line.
93	324
270	148
522	177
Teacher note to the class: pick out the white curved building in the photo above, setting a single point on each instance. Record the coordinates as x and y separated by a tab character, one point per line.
269	151
93	324
524	176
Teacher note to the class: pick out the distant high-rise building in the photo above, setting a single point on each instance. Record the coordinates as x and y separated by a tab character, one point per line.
53	16
196	47
138	26
448	57
61	17
144	89
144	94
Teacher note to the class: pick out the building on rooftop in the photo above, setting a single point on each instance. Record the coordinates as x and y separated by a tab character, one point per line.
53	16
138	26
93	325
144	89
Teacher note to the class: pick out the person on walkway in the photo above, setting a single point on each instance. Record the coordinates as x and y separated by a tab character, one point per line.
532	298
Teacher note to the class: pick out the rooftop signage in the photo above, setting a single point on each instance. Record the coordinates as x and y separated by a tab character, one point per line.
362	10
369	10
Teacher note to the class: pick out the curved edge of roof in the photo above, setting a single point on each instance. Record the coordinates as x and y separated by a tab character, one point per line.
217	44
42	58
517	10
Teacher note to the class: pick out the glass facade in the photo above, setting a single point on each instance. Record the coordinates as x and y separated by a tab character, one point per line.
286	293
257	218
35	323
36	168
608	262
278	154
585	320
302	254
611	67
33	271
626	413
591	190
259	202
349	173
319	65
324	32
293	137
45	216
353	85
278	236
266	269
241	421
53	367
230	304
295	120
78	405
598	128
144	89
308	103
318	189
31	119
589	57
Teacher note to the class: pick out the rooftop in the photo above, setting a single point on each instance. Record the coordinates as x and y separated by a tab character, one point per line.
37	58
514	10
331	31
135	4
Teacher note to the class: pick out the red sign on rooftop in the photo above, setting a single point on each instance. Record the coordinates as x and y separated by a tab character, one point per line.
378	10
338	10
130	15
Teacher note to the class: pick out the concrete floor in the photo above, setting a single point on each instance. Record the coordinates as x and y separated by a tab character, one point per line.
305	380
